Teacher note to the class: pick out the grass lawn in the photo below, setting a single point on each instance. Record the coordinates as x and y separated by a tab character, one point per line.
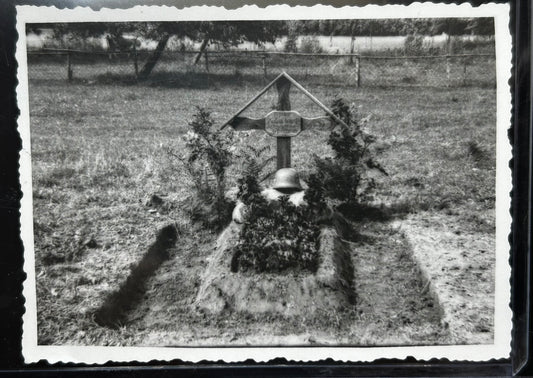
99	152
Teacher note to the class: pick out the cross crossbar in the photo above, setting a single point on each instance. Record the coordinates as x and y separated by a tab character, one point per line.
254	99
283	123
297	85
246	123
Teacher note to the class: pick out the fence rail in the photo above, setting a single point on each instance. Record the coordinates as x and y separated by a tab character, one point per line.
353	70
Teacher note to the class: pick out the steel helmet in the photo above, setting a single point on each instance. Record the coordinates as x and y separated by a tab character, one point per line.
287	178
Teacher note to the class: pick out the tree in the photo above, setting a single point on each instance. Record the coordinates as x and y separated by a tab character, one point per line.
480	26
228	33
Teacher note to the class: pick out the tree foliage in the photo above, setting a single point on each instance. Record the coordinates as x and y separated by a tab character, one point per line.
392	27
231	33
226	33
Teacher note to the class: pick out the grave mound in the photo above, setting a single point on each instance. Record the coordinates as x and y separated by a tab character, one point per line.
290	292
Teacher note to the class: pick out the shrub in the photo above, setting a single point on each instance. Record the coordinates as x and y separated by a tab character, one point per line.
207	158
315	194
276	236
310	44
414	44
256	161
343	177
292	37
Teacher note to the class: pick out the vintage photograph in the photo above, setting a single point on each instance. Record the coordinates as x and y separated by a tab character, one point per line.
266	181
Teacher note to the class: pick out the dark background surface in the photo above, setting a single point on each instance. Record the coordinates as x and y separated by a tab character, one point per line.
11	250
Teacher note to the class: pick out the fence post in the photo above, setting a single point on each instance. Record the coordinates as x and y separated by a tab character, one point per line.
264	67
206	61
69	67
357	71
352	46
448	69
465	61
135	64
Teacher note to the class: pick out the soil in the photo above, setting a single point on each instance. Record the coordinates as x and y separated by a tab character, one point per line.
290	293
391	308
426	279
113	312
458	267
95	215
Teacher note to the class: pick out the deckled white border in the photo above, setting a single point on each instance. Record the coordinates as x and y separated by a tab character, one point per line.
89	354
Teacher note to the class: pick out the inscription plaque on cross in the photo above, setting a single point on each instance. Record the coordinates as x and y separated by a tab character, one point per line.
283	123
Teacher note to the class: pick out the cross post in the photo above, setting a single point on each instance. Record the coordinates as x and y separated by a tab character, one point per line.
283	142
283	123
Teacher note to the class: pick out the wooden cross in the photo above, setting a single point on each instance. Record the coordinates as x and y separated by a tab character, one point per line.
282	123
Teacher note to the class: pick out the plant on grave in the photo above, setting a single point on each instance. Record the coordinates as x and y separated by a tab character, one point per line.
344	177
315	197
257	162
276	236
207	158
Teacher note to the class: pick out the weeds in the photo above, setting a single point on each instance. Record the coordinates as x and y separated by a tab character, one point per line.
476	151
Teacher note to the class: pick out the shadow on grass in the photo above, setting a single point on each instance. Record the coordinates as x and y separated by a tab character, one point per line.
345	229
365	212
193	80
114	310
206	80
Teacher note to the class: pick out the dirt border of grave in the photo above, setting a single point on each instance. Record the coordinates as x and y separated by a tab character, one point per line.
458	283
288	293
113	312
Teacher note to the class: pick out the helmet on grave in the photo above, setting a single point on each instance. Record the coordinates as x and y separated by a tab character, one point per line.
287	178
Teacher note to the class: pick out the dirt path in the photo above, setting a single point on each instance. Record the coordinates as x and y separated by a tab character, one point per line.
392	307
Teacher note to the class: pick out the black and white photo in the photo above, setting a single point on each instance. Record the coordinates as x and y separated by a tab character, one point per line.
298	182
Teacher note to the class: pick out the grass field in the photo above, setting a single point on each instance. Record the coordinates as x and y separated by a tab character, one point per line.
99	152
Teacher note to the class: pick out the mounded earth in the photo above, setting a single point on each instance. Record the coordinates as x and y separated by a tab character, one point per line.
287	293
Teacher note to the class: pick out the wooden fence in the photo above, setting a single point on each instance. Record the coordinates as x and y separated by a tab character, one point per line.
354	70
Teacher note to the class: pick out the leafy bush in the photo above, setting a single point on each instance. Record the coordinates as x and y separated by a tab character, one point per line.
292	37
311	44
256	161
276	236
206	161
343	177
315	194
414	44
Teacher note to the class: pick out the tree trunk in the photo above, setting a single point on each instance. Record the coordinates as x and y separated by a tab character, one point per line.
152	60
352	41
352	46
203	46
